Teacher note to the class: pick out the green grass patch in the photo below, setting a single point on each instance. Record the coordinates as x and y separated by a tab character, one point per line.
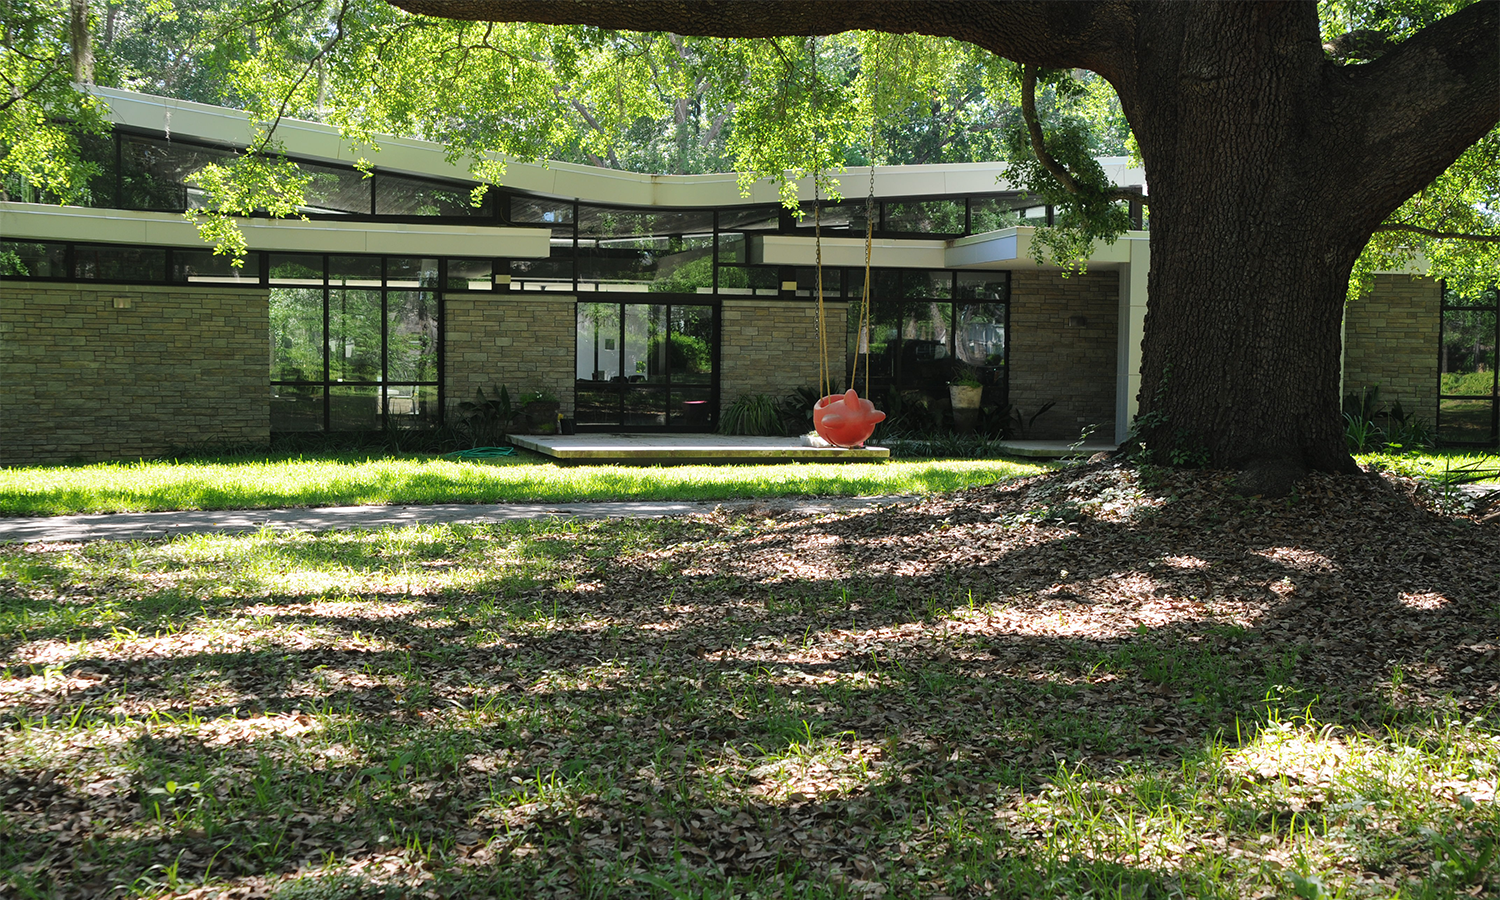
593	709
1473	466
345	480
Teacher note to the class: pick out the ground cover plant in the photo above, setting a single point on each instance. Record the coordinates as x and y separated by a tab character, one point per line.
262	482
1102	682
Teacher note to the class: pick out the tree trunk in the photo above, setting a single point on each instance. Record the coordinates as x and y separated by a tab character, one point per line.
1242	340
83	51
1251	248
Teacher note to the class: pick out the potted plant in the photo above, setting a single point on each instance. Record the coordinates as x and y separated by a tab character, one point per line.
965	391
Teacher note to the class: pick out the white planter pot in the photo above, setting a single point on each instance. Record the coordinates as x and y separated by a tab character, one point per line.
965	399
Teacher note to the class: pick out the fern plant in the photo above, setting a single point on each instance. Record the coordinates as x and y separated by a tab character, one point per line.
757	414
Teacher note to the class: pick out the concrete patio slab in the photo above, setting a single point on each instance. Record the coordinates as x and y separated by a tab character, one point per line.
686	448
1054	449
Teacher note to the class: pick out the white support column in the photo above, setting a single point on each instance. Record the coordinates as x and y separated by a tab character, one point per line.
1133	280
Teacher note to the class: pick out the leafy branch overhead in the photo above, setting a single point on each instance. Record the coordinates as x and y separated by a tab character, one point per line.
776	107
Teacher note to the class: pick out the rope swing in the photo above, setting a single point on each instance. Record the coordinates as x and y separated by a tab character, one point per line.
844	420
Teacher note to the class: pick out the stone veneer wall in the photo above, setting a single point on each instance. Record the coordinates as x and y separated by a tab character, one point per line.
1052	360
771	346
526	343
92	372
1391	341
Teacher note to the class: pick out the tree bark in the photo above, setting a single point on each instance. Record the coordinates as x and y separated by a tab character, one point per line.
1270	166
82	49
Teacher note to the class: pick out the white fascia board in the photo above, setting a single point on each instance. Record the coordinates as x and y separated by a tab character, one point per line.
591	184
1010	248
23	221
796	250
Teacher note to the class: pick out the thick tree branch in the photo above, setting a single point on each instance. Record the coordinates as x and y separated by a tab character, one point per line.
1057	35
1039	145
1437	91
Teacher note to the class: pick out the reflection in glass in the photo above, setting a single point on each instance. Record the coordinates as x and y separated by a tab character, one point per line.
409	272
353	335
297	335
644	407
922	283
751	218
660	263
984	286
598	353
538	210
848	216
399	195
353	408
1467	361
691	406
296	268
980	334
925	216
873	348
158	175
411	336
20	259
690	356
554	273
354	271
991	214
925	347
645	358
411	405
335	191
111	262
470	274
833	282
597	406
217	268
763	281
296	407
606	222
1466	421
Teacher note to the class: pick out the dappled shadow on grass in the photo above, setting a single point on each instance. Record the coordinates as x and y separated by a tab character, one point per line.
928	697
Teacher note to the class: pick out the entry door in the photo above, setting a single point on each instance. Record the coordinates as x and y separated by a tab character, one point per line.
646	367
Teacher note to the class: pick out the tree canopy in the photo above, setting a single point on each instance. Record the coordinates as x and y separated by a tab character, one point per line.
1292	144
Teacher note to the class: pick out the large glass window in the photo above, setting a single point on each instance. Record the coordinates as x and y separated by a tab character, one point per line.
625	250
400	195
914	347
1469	394
354	342
645	366
158	174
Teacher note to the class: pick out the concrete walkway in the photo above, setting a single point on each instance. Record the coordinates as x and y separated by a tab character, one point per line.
134	526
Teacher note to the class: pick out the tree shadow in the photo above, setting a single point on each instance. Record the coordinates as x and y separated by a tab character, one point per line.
938	643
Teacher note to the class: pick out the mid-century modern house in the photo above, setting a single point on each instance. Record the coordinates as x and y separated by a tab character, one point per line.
642	302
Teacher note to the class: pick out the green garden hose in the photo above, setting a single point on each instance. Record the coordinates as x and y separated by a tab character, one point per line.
481	453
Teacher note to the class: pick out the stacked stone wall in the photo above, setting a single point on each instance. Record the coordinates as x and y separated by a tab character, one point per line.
526	343
1053	360
92	373
1391	341
771	346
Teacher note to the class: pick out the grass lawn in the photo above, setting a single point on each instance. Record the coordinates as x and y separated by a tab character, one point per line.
265	482
1483	466
1102	684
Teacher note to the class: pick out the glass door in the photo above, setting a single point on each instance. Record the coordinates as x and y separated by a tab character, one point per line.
1469	396
646	367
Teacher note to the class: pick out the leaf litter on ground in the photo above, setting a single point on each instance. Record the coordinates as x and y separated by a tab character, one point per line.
1105	681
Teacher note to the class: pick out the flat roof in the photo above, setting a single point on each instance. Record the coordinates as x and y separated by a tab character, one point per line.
318	142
